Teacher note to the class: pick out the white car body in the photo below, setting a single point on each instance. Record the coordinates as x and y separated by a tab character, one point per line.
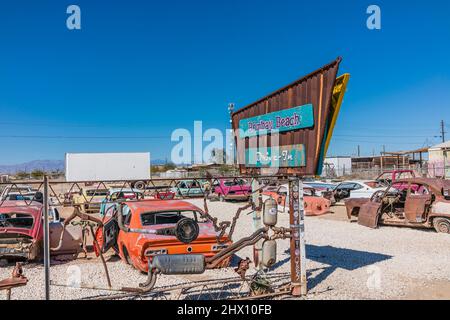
365	191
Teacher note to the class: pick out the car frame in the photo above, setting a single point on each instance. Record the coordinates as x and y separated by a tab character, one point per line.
314	204
425	203
137	248
25	238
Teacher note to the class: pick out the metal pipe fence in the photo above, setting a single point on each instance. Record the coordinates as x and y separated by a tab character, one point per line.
57	193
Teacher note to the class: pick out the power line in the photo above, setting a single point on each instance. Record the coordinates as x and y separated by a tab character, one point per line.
380	136
82	137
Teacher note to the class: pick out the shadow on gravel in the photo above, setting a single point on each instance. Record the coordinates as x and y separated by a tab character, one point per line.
335	258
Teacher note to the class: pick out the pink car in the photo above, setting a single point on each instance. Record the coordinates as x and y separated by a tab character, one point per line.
232	189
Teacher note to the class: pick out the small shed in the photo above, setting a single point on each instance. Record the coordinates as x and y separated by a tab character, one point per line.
439	160
334	167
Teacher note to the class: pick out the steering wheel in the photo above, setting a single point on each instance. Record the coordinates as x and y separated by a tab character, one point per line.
377	196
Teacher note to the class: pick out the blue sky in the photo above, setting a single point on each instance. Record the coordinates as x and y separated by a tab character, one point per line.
140	69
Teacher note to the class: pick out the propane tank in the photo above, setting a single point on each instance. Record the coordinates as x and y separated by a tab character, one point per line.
270	212
269	253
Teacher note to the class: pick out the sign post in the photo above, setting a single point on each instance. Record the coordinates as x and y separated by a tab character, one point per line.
287	133
298	247
46	241
256	199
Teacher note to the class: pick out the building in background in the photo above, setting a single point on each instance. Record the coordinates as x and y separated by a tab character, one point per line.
439	162
334	167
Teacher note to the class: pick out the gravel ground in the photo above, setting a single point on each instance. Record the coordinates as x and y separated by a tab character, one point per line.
345	261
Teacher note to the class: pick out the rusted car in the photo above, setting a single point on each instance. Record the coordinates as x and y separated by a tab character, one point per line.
424	203
189	189
15	189
388	177
314	205
136	247
21	231
232	189
117	195
90	199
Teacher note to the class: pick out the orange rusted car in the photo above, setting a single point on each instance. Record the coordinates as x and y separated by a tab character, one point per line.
139	234
314	205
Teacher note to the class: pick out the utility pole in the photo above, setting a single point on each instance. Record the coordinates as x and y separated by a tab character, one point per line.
442	131
359	151
231	146
46	240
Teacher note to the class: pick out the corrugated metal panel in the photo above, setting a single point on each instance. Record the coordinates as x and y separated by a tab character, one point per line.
315	88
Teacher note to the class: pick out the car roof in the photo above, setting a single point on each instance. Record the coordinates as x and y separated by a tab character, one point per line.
161	205
114	190
21	206
356	181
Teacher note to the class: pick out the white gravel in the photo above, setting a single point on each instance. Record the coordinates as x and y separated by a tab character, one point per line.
345	261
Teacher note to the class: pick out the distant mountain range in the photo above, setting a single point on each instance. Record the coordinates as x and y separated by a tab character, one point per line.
46	165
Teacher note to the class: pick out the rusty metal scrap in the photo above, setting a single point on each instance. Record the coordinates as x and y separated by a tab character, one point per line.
17	279
242	268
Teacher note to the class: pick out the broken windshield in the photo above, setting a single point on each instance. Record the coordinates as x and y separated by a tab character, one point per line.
16	220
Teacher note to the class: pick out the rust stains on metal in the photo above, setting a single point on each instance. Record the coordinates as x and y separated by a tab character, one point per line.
242	268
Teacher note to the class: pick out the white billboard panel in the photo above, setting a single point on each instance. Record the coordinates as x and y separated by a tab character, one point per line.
107	166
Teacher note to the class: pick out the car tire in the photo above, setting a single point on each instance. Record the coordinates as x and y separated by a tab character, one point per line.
441	225
127	256
139	185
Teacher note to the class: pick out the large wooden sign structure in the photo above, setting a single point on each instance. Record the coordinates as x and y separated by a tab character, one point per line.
288	133
290	129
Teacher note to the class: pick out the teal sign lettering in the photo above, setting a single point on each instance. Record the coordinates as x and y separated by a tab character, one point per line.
291	156
280	121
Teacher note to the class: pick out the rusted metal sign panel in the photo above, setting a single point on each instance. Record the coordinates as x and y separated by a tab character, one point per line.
299	114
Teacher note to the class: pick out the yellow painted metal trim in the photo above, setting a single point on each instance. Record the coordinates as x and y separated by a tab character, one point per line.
338	97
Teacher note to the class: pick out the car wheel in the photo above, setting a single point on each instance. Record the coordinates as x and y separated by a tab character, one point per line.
442	225
127	256
140	185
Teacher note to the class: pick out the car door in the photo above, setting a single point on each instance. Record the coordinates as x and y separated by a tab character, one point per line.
369	214
110	233
71	240
418	201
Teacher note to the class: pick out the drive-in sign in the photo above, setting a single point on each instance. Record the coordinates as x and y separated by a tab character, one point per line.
280	157
280	121
291	128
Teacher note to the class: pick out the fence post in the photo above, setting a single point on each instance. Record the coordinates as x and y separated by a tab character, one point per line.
257	248
298	246
46	240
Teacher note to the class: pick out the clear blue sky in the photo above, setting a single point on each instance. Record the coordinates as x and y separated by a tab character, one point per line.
144	68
